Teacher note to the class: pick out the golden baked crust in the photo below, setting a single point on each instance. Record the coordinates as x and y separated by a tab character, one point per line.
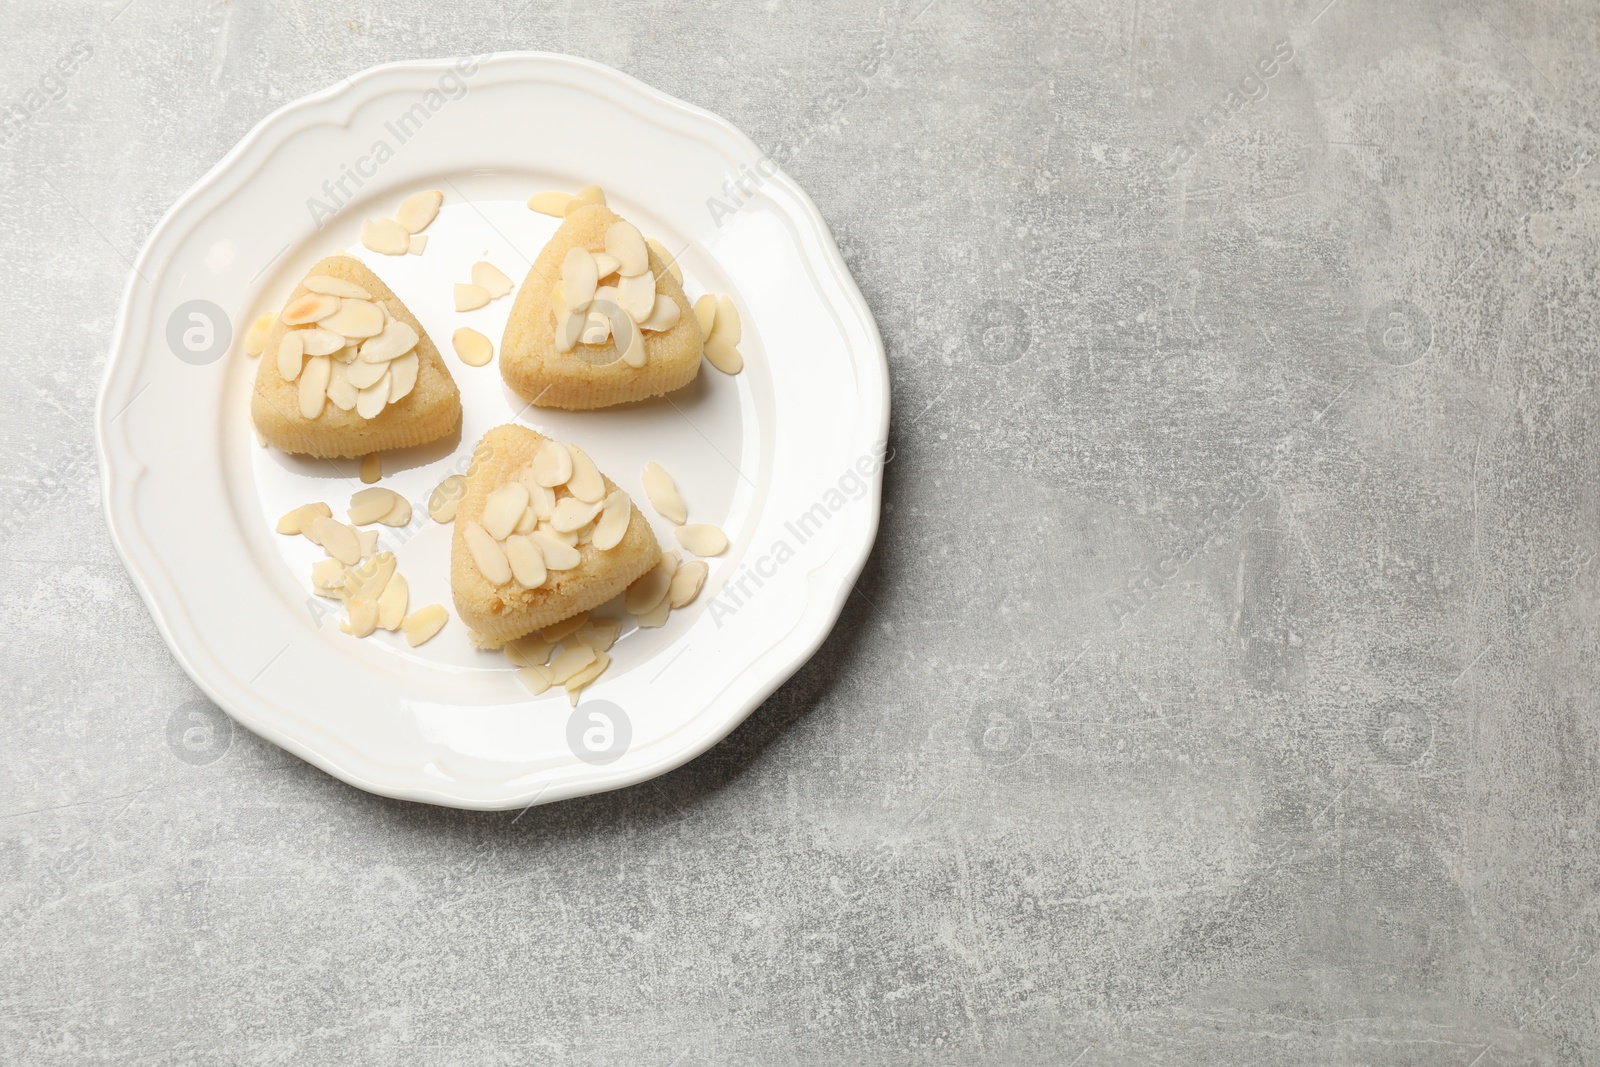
591	376
497	614
430	411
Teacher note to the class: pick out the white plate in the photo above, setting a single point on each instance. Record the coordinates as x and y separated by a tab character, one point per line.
786	457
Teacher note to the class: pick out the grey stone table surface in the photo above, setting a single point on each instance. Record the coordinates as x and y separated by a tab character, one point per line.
1222	688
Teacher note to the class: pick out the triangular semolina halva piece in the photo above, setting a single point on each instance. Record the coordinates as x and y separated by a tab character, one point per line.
561	346
348	370
540	535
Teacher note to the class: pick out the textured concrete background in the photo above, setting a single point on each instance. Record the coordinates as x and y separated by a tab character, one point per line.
1222	689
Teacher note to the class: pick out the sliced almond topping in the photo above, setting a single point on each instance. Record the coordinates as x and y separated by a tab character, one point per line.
599	634
666	259
255	338
400	514
629	341
536	676
585	483
569	327
663	493
566	537
723	356
703	539
314	386
370	577
503	509
569	625
444	499
656	616
705	310
726	327
605	264
570	662
487	554
670	560
613	523
596	328
371	467
392	603
386	236
418	244
578	681
490	278
530	651
301	517
354	319
327	576
687	582
626	244
552	464
541	499
403	376
470	297
320	342
327	283
591	194
637	295
529	521
423	623
368	540
341	394
367	506
474	348
291	355
419	209
395	340
572	514
337	540
648	591
309	307
527	562
579	277
664	316
363	616
558	555
550	203
371	401
364	375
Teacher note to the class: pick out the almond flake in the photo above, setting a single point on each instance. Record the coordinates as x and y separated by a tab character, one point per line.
552	464
417	244
364	375
671	561
541	499
309	307
369	578
649	590
558	555
490	278
569	328
599	634
550	203
637	295
337	540
444	499
341	394
314	386
470	297
726	327
591	194
596	329
664	316
326	283
687	582
320	342
723	356
395	340
629	341
327	576
568	537
656	616
423	623
569	625
579	277
371	401
666	259
703	539
596	667
536	676
419	209
529	521
301	517
586	483
527	562
386	236
291	355
371	466
663	493
572	514
367	506
530	651
400	514
503	509
487	554
368	539
255	338
363	616
626	244
354	319
569	663
605	264
613	523
705	310
392	603
402	376
474	348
